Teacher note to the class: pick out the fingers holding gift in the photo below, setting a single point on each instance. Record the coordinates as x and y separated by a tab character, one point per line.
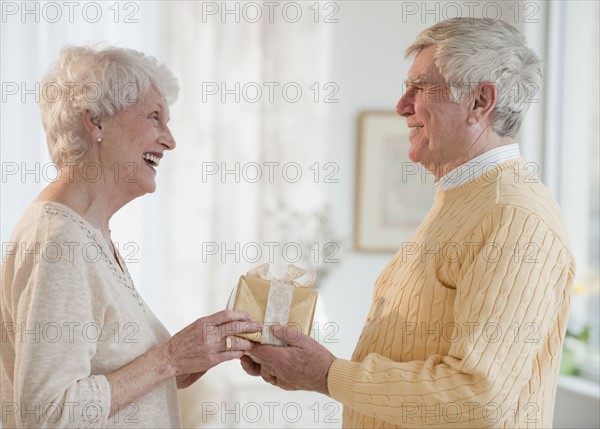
207	342
220	337
304	363
290	334
226	316
235	345
240	327
270	376
252	368
220	326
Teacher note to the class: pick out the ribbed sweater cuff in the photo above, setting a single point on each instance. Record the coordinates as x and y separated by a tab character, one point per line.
340	381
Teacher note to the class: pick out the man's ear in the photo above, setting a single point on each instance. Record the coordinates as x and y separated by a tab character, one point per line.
92	126
483	101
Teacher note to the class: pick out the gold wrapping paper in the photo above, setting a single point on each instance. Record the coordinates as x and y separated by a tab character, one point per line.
252	296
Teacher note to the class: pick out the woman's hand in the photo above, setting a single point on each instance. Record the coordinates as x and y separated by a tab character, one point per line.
186	356
206	343
186	380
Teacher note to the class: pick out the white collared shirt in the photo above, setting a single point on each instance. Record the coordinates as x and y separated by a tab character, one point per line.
477	166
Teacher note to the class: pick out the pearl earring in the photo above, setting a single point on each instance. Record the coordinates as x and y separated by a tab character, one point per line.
99	139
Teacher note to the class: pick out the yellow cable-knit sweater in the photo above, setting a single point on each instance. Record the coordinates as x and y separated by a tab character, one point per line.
468	319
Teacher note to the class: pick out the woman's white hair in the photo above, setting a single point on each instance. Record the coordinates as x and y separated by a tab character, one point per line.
103	81
469	51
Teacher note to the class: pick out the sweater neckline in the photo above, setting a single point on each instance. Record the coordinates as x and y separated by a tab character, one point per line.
66	209
118	268
70	211
489	178
96	233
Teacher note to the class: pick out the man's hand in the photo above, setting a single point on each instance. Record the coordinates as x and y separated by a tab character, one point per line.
303	364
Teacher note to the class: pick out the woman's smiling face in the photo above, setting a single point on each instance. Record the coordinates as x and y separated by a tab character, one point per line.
134	141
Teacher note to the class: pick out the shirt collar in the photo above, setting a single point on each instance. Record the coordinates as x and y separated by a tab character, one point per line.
477	166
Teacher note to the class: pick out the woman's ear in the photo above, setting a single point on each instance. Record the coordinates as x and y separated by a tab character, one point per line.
483	102
92	126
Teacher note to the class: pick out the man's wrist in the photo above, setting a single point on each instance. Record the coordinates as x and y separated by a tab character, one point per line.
324	388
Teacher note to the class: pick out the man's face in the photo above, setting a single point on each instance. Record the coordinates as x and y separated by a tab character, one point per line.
439	136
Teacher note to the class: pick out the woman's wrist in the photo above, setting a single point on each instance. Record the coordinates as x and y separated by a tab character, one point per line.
167	359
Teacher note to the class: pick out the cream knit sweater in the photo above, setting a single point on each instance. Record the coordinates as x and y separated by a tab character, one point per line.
70	315
468	319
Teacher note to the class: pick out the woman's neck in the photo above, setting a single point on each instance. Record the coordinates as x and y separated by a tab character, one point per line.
96	202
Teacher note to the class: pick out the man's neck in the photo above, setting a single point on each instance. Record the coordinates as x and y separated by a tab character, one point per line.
492	141
477	166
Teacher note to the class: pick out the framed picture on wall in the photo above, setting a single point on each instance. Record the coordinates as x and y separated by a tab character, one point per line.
393	194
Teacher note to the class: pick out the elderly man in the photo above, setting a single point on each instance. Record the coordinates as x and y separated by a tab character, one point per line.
468	319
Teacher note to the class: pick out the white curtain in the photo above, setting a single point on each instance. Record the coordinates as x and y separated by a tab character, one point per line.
248	131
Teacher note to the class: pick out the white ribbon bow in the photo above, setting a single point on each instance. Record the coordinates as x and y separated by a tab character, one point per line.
281	292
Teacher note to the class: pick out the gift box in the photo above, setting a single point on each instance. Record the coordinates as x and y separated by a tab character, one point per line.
289	301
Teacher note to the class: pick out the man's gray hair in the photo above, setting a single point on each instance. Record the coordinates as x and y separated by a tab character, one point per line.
469	51
103	81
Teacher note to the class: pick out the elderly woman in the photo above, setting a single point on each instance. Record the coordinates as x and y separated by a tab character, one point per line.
80	347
